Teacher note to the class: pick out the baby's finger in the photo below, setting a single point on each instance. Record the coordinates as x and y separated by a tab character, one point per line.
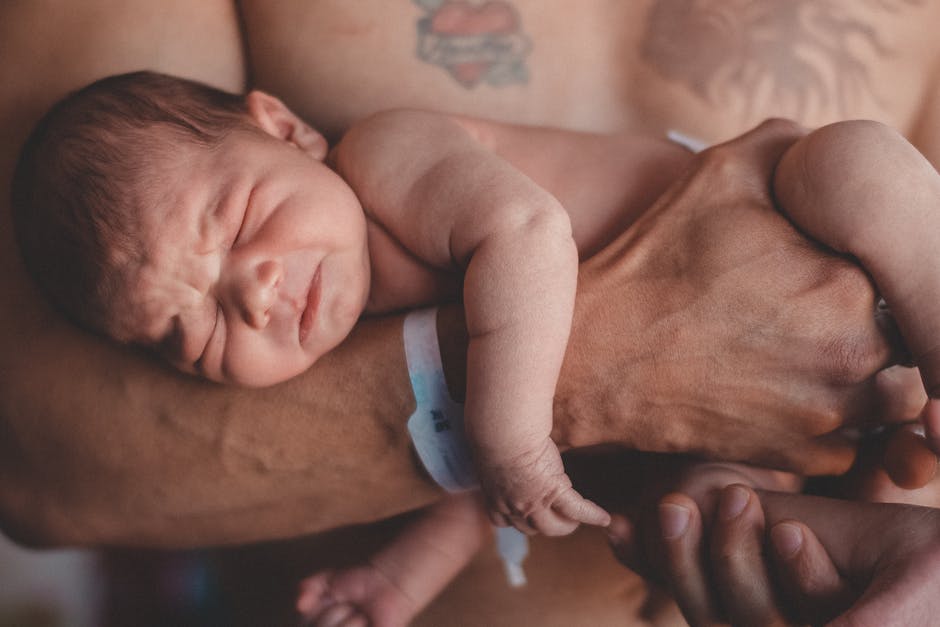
498	519
524	525
335	615
551	523
574	506
355	621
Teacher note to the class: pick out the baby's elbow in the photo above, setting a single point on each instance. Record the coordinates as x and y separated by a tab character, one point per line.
551	217
547	226
841	181
858	152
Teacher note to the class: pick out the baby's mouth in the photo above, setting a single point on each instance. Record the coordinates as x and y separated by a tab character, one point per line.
310	311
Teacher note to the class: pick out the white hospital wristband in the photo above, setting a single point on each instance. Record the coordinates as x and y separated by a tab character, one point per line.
436	426
436	429
694	144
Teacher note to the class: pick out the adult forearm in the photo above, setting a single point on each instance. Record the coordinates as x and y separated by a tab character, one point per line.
107	447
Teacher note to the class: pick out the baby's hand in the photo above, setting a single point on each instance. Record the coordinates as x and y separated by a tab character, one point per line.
532	493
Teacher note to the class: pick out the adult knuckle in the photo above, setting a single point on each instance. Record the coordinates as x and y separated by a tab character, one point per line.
852	282
850	360
723	162
851	345
825	417
780	126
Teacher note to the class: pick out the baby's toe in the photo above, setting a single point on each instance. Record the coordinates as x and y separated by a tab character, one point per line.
337	616
312	593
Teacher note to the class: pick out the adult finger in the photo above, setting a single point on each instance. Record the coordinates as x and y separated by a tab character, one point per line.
908	459
809	582
737	559
683	559
893	600
894	395
890	331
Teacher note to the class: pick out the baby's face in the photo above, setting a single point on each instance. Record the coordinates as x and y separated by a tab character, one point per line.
257	265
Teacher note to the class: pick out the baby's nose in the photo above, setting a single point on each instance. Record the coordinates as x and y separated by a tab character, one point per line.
261	293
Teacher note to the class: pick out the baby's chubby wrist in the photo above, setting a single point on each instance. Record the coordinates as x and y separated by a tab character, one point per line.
578	418
588	409
452	338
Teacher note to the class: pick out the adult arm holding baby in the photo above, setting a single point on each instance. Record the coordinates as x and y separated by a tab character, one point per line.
102	445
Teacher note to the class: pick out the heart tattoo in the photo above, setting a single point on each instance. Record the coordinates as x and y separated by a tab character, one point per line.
475	42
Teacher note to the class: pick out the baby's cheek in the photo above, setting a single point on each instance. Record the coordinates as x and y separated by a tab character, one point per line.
257	362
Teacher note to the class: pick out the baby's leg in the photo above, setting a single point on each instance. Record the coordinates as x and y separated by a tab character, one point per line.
402	578
860	188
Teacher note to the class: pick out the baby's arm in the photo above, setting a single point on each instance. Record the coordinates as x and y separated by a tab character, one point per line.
860	188
455	204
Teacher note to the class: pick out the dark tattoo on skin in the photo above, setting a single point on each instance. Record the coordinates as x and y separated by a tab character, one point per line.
475	42
797	54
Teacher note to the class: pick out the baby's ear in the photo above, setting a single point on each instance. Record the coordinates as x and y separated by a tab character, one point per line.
277	120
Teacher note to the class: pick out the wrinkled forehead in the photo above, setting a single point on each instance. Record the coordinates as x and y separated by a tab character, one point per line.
178	226
141	307
153	290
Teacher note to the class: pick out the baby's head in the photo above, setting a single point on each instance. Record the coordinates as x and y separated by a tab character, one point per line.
162	212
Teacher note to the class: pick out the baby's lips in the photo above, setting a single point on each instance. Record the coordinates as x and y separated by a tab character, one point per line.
312	303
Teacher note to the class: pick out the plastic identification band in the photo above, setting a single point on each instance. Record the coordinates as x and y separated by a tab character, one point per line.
436	429
436	426
513	547
694	144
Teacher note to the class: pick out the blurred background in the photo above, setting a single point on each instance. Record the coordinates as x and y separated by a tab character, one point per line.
117	588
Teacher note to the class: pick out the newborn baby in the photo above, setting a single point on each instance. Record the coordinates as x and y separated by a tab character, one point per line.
220	231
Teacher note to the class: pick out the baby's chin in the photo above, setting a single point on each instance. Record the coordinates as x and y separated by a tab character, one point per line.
266	377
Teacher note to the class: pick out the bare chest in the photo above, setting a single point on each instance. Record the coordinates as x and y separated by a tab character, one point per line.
709	67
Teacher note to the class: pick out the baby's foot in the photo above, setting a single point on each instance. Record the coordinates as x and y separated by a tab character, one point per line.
362	596
533	493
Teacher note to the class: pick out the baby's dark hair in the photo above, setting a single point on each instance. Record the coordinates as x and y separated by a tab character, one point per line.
85	176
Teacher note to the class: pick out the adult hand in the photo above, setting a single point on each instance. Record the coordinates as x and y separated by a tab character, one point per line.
774	558
661	536
712	326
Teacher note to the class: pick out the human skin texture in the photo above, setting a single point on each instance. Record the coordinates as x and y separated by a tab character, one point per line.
199	464
225	465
